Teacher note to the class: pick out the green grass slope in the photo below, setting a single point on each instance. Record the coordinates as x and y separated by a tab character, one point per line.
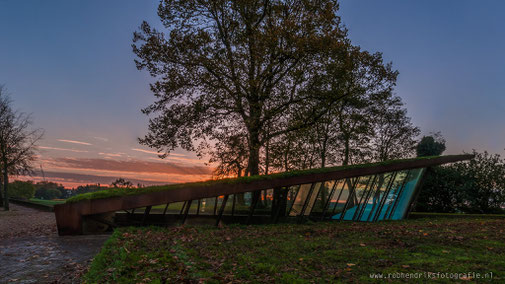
425	249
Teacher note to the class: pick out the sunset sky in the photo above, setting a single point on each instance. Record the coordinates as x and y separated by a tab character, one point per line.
70	64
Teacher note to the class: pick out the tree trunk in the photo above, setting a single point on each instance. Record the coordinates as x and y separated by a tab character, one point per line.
253	162
346	152
1	192
279	202
286	155
267	157
254	155
6	184
323	153
240	196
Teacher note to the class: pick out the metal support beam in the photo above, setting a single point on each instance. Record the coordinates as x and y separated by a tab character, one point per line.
215	205
377	201
367	197
221	210
338	198
233	205
254	202
395	203
182	208
186	211
280	204
351	186
165	210
417	190
384	198
327	203
146	214
294	199
365	192
305	204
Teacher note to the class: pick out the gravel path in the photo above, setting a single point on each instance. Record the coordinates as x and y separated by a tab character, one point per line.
32	252
22	221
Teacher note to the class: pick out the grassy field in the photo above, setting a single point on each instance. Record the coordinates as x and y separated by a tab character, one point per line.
46	202
425	249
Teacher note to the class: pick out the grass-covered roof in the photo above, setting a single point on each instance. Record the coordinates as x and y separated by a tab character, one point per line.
115	192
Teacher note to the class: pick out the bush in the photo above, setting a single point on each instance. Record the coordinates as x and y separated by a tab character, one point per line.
433	145
441	191
475	186
47	193
45	190
21	189
484	183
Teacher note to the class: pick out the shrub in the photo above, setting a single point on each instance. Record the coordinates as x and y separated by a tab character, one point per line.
47	193
21	189
475	186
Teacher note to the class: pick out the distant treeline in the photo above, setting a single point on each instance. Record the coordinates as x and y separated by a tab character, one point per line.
48	190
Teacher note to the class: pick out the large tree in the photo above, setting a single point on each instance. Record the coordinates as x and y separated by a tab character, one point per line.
349	126
17	143
394	135
238	66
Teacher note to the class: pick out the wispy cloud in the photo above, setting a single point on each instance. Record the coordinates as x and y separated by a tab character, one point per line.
74	171
132	166
156	153
178	155
145	151
110	154
75	142
62	149
73	179
101	138
178	159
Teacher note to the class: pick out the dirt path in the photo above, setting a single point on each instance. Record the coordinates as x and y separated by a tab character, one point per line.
32	252
22	221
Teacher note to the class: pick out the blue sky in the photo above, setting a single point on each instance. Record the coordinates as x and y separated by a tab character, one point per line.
70	64
451	59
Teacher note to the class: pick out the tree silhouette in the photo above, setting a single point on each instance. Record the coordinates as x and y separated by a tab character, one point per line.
237	67
17	143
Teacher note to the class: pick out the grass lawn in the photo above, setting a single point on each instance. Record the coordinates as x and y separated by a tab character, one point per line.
319	252
46	202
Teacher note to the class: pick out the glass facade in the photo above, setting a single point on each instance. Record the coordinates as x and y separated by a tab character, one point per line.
384	196
369	198
365	193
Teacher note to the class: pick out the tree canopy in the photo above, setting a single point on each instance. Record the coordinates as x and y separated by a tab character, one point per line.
432	145
259	68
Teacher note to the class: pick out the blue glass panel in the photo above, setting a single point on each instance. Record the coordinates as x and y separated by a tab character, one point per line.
306	191
322	197
373	203
405	196
395	188
354	196
297	206
337	200
399	196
